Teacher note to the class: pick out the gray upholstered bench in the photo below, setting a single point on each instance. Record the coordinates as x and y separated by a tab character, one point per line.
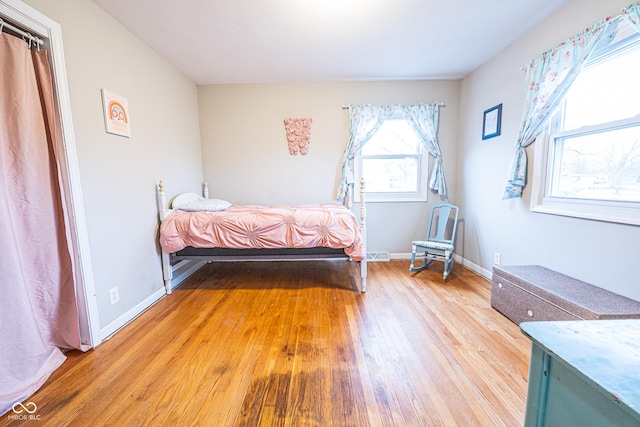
531	292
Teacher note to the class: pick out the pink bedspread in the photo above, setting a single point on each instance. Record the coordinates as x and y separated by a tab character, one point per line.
244	227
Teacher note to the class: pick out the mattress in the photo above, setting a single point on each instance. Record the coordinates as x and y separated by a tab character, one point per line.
265	227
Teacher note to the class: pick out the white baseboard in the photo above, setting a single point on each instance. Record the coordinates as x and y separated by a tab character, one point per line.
462	261
130	315
474	267
120	322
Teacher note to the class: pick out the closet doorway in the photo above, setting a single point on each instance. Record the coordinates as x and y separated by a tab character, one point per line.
26	18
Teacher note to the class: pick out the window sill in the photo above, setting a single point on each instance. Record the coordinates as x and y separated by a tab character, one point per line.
392	198
622	213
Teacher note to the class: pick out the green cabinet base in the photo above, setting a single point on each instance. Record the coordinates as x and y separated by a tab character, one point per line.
583	373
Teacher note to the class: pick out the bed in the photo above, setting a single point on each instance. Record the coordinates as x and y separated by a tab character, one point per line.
197	228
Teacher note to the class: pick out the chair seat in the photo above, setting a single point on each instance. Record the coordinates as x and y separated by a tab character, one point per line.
433	245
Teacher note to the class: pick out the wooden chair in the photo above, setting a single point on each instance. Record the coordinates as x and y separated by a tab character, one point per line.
439	244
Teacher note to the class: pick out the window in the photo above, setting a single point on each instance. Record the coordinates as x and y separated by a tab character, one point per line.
589	164
393	164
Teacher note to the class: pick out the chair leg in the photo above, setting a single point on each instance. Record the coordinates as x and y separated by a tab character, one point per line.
425	264
412	267
448	266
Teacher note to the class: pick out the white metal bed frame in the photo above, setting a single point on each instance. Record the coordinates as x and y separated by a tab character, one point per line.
169	264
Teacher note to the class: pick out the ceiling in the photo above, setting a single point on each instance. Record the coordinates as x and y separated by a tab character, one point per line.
286	41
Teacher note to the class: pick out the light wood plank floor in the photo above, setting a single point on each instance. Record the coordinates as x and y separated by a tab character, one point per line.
292	344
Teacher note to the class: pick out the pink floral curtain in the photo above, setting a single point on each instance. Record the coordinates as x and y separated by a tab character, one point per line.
38	310
549	77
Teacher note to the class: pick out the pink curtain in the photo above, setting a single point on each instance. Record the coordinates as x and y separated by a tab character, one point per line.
38	310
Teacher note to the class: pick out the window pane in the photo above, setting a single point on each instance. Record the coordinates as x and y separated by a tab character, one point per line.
593	160
393	137
605	92
602	166
391	175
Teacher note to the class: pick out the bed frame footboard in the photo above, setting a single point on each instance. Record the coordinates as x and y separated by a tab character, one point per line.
163	211
363	232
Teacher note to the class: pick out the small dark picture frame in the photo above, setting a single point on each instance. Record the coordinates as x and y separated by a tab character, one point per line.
492	122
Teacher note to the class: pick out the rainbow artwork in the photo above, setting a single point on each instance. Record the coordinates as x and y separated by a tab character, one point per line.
116	114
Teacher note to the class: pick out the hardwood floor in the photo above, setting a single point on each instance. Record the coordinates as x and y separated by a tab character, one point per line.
292	344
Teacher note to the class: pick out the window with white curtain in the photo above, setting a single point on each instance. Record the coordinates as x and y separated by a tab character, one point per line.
394	163
588	164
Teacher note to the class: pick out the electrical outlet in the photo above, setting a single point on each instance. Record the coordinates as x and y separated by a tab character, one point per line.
113	295
496	258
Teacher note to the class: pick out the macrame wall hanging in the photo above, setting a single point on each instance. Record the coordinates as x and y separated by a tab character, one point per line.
298	135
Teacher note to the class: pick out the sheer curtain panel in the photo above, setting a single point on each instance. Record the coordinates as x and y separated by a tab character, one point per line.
424	118
548	79
365	120
38	310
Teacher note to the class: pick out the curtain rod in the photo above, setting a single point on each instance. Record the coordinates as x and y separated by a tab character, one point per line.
441	104
32	38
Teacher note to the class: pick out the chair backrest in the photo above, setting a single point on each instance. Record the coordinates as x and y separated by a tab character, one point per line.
445	213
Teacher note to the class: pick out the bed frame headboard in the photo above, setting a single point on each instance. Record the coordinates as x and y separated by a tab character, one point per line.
164	207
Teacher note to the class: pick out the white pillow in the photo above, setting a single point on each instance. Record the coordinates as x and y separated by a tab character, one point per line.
183	198
203	205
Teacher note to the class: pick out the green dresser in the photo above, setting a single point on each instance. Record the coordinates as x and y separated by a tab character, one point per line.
583	373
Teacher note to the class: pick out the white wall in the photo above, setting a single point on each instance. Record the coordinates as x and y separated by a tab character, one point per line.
603	254
118	174
246	158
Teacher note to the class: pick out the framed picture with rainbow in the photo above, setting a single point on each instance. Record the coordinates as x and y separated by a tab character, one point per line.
116	114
